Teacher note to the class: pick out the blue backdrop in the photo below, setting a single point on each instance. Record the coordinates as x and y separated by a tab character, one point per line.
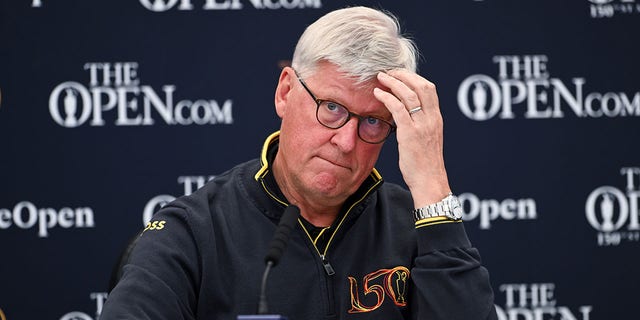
110	109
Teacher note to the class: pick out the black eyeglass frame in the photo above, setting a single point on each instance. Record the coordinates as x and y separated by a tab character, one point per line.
350	114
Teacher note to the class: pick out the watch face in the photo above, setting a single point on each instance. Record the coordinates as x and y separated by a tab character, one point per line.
456	208
457	212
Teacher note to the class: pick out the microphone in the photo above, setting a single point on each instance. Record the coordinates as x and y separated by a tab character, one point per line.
276	248
281	236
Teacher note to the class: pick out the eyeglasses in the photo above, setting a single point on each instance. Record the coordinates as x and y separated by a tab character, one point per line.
334	115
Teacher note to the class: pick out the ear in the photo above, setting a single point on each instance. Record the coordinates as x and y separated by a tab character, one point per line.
283	90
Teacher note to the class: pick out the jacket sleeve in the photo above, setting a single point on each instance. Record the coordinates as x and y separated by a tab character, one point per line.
449	281
159	279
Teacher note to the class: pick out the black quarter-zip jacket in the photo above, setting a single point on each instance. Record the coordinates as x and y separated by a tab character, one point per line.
202	257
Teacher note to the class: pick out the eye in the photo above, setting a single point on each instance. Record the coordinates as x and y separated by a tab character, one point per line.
332	106
373	121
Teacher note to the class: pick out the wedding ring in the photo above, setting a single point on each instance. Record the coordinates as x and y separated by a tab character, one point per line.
414	110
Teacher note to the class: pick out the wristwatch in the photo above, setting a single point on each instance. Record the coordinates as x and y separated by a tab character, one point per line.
448	207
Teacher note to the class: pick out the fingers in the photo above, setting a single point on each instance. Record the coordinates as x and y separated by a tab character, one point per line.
407	92
398	110
402	89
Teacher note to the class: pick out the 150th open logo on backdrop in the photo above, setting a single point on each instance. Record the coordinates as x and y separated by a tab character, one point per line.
614	212
613	8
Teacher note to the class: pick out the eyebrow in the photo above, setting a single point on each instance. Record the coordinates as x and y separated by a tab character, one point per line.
366	115
335	88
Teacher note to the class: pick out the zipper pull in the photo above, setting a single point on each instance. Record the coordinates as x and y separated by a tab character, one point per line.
327	266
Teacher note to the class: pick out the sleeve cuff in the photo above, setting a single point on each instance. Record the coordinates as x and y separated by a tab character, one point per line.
440	236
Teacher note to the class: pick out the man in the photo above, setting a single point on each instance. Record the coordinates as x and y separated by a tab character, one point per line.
357	252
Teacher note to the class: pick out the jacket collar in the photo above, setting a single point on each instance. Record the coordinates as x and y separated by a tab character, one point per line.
264	176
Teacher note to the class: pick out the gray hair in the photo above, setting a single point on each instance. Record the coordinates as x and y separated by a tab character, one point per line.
360	41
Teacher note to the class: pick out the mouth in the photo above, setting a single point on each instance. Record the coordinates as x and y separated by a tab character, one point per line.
337	164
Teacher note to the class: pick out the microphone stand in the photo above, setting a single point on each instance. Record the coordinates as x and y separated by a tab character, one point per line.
276	248
262	303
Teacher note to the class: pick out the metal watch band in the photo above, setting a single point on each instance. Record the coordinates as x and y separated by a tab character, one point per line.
449	207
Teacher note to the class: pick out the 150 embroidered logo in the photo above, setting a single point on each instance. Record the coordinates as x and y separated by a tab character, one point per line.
383	283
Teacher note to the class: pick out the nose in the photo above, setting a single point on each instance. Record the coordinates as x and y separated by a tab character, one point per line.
346	136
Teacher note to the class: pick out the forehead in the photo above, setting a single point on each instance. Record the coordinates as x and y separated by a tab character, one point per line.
327	83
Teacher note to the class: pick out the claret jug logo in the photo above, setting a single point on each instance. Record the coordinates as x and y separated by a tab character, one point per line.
390	283
164	5
536	301
524	88
114	93
614	212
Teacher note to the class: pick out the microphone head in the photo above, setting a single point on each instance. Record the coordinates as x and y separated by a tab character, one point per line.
281	236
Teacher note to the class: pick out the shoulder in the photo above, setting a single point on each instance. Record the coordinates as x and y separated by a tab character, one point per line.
221	192
221	184
394	204
396	194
